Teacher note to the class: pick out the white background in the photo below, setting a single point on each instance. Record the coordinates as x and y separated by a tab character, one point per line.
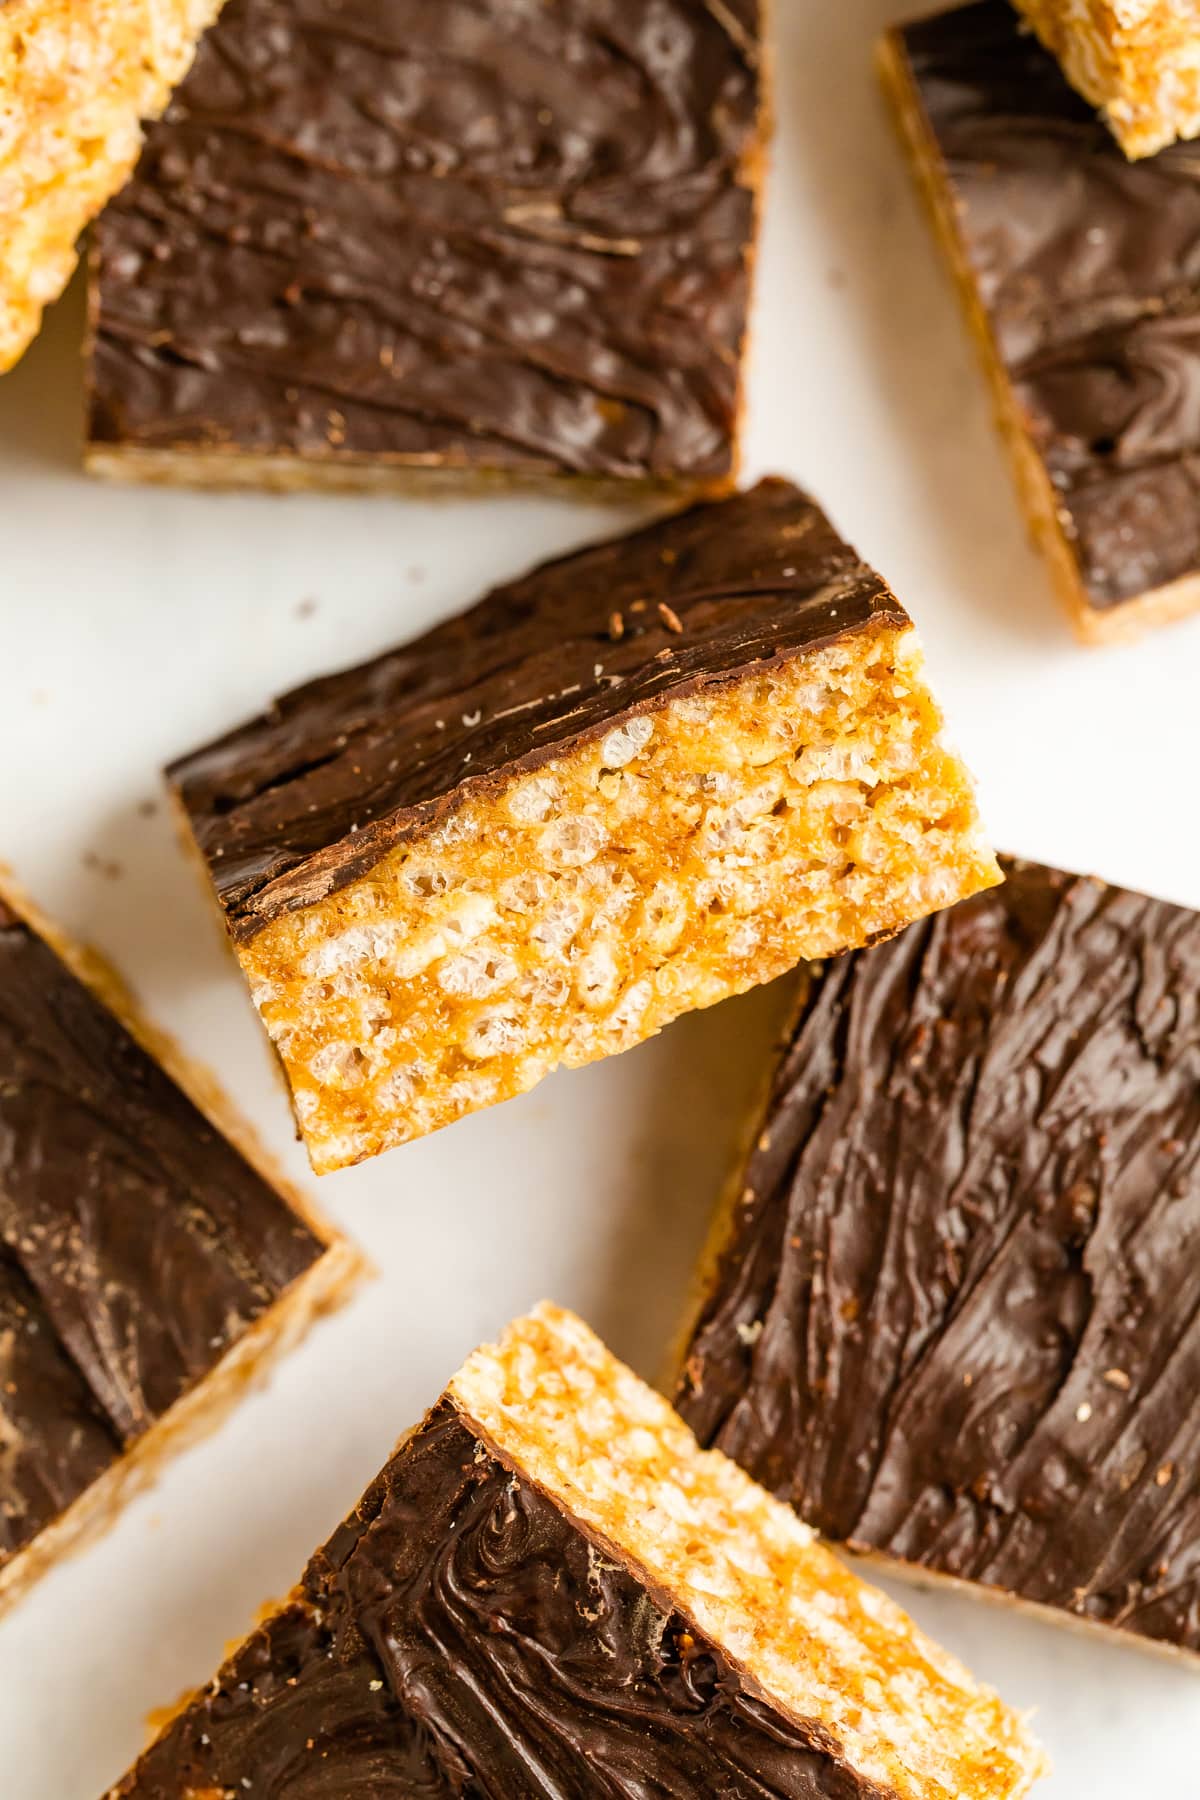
134	624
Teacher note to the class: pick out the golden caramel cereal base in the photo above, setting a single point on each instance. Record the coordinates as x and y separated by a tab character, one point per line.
247	1364
936	1581
77	77
1049	525
741	1566
1137	60
690	853
413	477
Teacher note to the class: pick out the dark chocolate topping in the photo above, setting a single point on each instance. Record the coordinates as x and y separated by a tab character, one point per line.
478	232
55	1440
136	1246
957	1319
460	1635
310	796
1088	267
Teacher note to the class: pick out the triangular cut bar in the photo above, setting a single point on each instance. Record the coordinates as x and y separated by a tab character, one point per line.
952	1312
549	1591
645	776
150	1264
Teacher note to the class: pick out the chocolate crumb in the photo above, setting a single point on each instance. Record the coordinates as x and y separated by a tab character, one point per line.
106	866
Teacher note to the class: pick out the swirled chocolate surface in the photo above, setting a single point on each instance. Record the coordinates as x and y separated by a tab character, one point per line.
136	1245
461	1635
484	233
308	797
1088	267
956	1319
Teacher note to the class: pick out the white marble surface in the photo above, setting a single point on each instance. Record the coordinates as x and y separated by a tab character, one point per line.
135	623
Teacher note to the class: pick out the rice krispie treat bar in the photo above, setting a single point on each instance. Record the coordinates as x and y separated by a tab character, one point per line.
648	775
149	1269
76	81
384	243
1137	60
951	1308
1078	274
551	1590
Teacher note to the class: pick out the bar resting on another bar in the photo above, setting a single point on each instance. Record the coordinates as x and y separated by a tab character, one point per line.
75	83
394	244
647	776
1078	274
1137	60
551	1590
949	1311
149	1269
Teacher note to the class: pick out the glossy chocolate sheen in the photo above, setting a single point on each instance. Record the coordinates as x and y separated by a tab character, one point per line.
485	233
136	1246
310	796
1088	267
461	1635
956	1320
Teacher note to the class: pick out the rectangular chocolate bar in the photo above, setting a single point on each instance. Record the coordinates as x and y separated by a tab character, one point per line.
1078	274
378	243
148	1270
951	1308
75	82
1139	63
648	775
550	1590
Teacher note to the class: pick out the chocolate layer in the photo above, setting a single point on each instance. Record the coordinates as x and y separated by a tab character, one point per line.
1087	269
468	232
310	796
461	1635
136	1245
956	1318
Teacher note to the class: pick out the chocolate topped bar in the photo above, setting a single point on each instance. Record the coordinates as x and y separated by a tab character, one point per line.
1080	276
490	1619
378	237
139	1252
647	775
308	798
951	1315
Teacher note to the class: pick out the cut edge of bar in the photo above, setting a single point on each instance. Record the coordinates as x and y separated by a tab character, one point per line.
938	1581
555	1338
340	1129
415	477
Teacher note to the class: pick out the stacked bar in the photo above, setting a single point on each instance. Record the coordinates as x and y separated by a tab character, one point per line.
551	1590
1078	274
950	1312
645	777
377	243
75	83
148	1270
1137	60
